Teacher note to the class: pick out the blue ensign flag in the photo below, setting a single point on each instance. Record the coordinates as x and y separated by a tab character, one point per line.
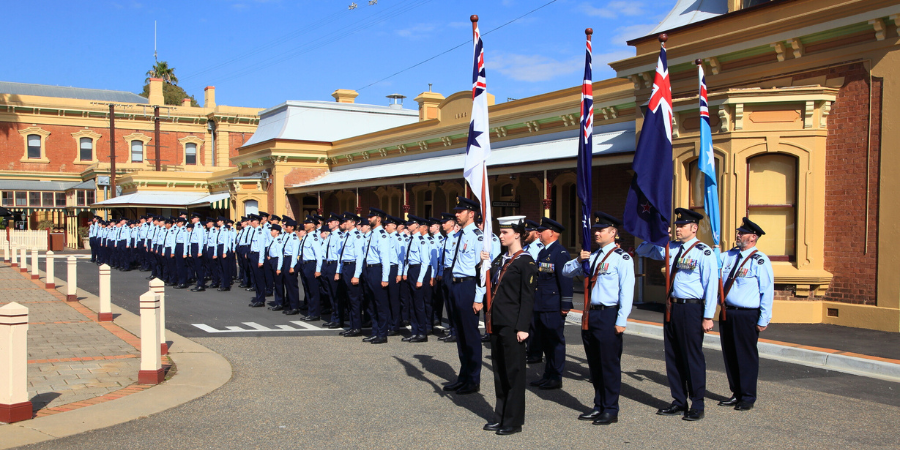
585	151
707	166
649	202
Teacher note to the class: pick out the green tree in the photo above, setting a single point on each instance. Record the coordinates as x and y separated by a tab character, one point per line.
172	95
162	70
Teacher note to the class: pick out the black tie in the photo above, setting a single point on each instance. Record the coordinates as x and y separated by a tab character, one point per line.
453	263
734	268
596	261
675	268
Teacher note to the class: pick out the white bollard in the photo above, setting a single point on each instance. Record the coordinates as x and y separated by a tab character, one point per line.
158	287
14	403
6	252
105	314
151	360
50	282
23	261
15	260
71	280
34	264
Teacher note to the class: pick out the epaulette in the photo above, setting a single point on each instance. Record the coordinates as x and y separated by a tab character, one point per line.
478	232
701	246
382	230
625	256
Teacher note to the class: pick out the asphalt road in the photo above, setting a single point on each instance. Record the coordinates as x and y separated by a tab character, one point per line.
309	388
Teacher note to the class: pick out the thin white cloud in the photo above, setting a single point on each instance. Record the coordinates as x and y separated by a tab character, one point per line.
533	68
613	9
416	31
629	32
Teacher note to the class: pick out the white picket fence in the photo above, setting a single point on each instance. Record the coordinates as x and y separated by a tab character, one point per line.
29	239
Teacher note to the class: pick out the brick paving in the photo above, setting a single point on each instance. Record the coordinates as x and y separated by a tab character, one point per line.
73	360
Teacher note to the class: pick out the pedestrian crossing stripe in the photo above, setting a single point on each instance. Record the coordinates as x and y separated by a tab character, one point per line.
255	328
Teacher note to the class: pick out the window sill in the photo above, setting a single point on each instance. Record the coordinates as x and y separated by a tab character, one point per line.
35	160
83	163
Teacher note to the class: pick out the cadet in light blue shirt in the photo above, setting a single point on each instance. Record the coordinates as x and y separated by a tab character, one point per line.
611	281
350	267
379	256
311	254
533	244
749	290
691	304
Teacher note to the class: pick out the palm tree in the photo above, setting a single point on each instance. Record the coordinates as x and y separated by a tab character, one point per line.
162	70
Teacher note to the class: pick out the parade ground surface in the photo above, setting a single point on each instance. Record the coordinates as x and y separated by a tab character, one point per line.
296	385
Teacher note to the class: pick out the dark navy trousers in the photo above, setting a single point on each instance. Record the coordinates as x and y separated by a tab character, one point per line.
380	302
603	349
354	295
685	364
739	338
468	343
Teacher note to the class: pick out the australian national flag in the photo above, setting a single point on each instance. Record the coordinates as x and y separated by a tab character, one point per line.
478	147
707	166
585	151
649	202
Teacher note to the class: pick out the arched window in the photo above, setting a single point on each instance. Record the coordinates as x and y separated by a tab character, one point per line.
772	203
86	149
34	146
137	151
190	154
251	207
698	190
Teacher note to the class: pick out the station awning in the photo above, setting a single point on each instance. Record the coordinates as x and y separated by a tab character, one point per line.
518	152
152	199
215	201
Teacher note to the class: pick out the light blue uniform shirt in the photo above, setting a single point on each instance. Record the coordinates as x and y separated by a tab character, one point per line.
257	239
698	271
212	239
401	245
311	249
420	251
225	239
291	249
354	245
534	248
468	256
170	238
379	251
615	279
199	237
333	245
448	251
276	250
181	236
754	282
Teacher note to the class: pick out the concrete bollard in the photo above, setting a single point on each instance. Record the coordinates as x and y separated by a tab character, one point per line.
15	260
71	280
50	282
14	404
105	314
34	264
158	287
23	261
151	360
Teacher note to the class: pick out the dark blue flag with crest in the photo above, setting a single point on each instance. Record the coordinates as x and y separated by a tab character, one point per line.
585	152
649	201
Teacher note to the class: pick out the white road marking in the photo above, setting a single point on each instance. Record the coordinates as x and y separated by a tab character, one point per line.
255	328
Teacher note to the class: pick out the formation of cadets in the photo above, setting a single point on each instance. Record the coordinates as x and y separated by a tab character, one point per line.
384	273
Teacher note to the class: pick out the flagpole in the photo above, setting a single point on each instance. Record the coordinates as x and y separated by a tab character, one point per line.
585	245
662	42
487	272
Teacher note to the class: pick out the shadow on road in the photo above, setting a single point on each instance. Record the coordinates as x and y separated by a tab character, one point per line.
474	403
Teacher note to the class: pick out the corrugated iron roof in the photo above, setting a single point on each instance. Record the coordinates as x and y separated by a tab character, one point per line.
43	90
32	185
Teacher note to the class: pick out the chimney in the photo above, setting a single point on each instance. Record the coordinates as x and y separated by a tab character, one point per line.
345	95
396	101
429	103
186	101
209	97
156	91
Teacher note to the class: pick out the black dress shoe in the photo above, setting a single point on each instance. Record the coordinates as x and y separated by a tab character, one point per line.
486	338
379	340
444	338
353	333
606	419
491	427
551	384
181	286
506	431
538	382
250	289
291	312
534	360
692	415
276	308
468	388
408	338
327	324
672	410
451	339
370	338
743	406
224	289
150	277
392	333
453	386
214	286
269	294
730	402
257	305
593	415
310	318
419	338
404	323
333	326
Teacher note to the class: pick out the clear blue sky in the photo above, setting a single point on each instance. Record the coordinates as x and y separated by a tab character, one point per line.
261	52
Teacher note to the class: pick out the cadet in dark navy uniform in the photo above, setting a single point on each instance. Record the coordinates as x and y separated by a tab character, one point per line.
691	300
512	282
552	302
606	310
749	290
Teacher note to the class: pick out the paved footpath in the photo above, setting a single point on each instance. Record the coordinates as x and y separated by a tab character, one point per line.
73	360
